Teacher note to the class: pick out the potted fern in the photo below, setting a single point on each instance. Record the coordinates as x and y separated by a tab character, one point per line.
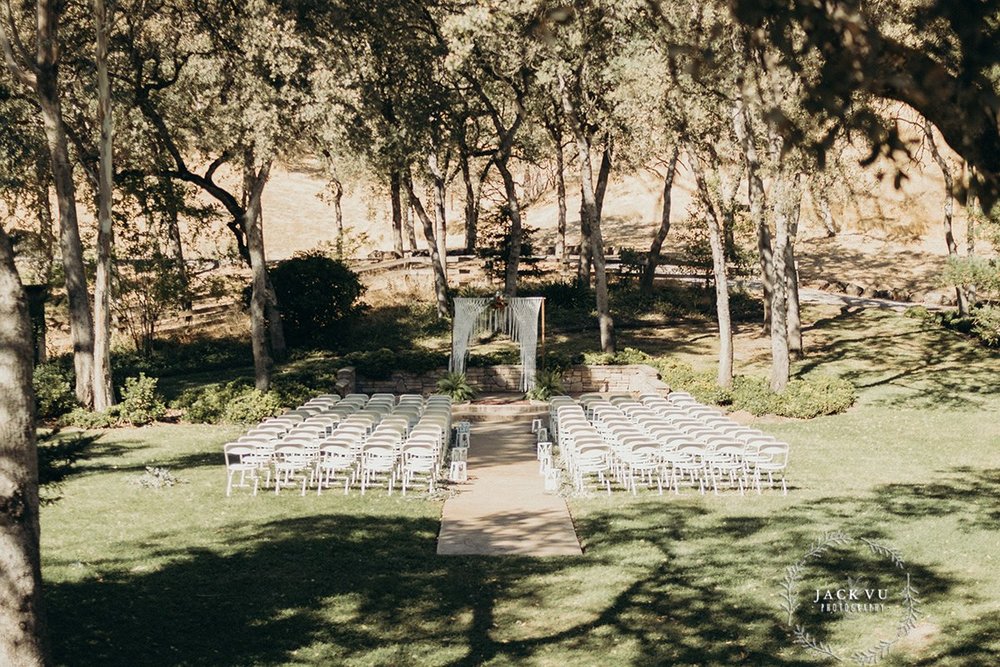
548	383
457	386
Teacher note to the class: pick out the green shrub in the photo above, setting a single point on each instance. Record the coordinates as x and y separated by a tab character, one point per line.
317	296
170	357
53	391
986	325
918	313
457	386
803	398
624	357
206	404
559	361
292	393
548	383
141	404
957	322
374	365
494	358
85	419
632	263
251	406
813	397
237	402
562	295
754	395
420	361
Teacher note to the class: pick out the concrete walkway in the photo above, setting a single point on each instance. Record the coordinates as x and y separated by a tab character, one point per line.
502	509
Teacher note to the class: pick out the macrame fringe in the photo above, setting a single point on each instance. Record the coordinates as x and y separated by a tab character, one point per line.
518	320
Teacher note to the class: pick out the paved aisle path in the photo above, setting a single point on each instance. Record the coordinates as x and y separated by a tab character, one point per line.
502	508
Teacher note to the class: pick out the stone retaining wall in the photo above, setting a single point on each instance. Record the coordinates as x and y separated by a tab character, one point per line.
638	378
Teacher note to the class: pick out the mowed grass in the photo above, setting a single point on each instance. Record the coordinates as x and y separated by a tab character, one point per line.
183	575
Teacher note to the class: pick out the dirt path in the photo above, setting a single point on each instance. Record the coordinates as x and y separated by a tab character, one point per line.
502	509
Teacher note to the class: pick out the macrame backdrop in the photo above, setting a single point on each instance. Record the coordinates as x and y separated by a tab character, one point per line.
518	319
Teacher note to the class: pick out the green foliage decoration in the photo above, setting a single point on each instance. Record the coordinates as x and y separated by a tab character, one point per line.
548	383
457	386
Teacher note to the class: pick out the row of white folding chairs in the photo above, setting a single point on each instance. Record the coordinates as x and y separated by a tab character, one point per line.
298	463
632	459
722	442
307	427
392	450
292	455
639	449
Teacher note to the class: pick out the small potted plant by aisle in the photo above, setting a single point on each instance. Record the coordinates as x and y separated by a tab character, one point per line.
457	386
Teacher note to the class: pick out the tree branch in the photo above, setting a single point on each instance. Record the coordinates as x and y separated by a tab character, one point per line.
28	73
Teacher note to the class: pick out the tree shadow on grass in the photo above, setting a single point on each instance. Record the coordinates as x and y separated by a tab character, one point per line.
971	494
363	586
933	367
970	644
345	588
63	455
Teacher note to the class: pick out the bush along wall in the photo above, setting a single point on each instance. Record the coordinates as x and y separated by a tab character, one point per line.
803	398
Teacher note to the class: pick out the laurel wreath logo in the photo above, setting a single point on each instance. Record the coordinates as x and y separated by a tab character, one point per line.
790	604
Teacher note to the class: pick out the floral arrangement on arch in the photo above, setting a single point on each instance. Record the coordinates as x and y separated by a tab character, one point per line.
498	302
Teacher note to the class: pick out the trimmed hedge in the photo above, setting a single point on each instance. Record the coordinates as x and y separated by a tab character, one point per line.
803	398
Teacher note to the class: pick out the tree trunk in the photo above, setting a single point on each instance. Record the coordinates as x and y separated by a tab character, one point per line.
176	248
758	208
272	311
948	210
827	214
584	265
601	188
43	206
440	222
653	258
715	240
397	212
21	619
47	88
779	298
411	235
589	212
104	396
590	218
471	206
337	191
794	322
974	213
440	277
514	211
561	201
262	362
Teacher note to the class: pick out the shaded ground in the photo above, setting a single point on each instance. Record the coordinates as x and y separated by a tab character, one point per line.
183	575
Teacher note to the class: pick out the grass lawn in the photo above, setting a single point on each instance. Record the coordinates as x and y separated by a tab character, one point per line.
183	575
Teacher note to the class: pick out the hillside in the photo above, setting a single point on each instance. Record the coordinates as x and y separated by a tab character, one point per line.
887	239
